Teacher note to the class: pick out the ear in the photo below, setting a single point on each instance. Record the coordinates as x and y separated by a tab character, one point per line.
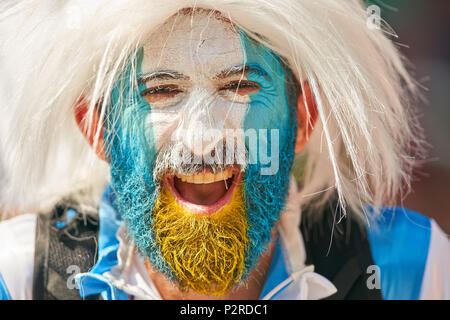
306	117
81	111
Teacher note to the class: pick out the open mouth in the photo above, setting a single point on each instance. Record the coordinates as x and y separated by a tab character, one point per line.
203	192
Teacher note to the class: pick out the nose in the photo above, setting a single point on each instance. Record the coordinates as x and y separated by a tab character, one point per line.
202	126
202	135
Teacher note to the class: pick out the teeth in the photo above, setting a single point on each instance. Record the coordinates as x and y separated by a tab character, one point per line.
206	177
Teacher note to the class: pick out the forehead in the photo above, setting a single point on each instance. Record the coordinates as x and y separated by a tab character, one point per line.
193	43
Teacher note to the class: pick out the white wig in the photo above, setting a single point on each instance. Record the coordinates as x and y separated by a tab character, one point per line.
52	52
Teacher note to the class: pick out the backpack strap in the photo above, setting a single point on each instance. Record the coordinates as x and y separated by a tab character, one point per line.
66	244
340	252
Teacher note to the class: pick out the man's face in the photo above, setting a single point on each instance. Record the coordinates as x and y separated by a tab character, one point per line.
201	139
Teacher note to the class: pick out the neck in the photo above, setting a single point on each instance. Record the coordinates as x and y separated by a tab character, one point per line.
250	290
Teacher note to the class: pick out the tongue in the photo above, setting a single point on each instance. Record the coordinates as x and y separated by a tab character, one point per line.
201	194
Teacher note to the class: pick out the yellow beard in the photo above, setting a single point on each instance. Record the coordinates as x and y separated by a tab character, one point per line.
206	252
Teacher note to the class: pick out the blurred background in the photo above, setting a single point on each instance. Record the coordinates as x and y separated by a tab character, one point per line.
423	30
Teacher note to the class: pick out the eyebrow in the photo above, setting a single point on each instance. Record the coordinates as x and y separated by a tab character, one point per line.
238	71
174	75
162	75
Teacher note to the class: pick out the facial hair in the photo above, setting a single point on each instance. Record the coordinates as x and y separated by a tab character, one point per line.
206	252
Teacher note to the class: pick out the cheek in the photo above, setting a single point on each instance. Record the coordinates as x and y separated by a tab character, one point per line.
160	126
269	107
228	116
267	119
269	110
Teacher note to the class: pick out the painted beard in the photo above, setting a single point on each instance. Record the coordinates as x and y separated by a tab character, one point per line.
206	253
209	253
212	253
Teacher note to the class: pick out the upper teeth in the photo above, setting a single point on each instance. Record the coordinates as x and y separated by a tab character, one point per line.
206	177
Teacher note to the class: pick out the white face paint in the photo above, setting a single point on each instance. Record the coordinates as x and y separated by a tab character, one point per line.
193	69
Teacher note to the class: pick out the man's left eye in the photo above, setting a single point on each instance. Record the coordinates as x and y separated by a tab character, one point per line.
239	91
241	87
161	93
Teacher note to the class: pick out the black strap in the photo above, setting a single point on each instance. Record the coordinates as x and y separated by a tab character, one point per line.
340	252
62	249
41	258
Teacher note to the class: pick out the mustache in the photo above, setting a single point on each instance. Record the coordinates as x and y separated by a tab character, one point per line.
176	157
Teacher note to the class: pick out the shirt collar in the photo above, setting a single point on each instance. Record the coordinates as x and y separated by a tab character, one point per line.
94	281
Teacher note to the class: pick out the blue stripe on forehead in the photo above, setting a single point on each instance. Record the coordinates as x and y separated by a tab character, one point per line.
128	111
272	107
269	107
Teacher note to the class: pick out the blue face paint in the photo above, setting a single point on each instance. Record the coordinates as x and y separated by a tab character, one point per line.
131	148
272	107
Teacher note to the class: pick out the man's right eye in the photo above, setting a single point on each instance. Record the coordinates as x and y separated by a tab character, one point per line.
161	93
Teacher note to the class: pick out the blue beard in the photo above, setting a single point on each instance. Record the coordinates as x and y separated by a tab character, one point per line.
265	197
137	193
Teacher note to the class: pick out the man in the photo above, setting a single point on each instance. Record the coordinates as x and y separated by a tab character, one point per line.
197	111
